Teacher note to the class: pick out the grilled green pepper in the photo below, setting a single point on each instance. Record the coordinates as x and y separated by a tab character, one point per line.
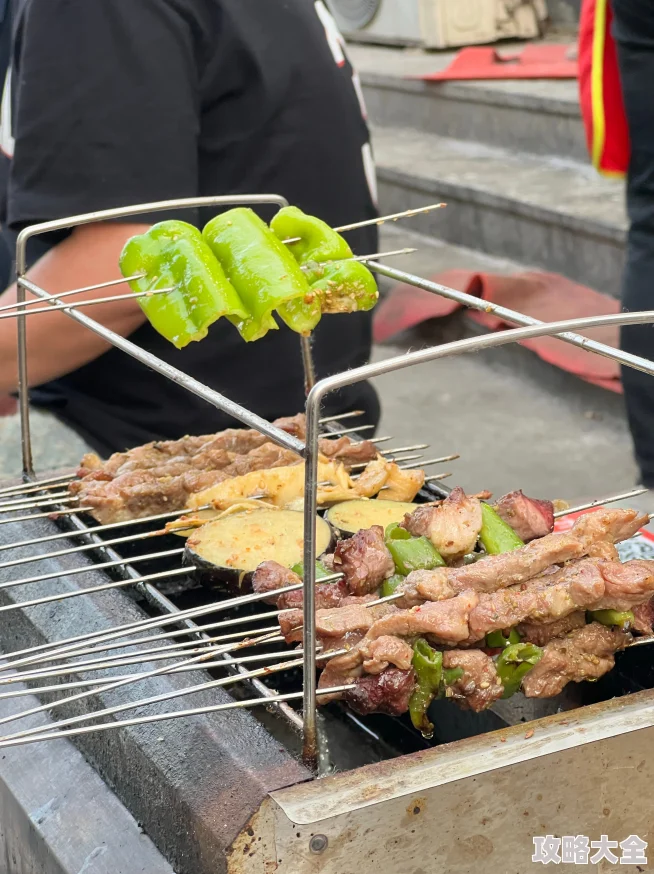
321	570
496	640
496	536
428	665
174	253
617	618
396	532
389	586
264	273
342	284
514	663
413	554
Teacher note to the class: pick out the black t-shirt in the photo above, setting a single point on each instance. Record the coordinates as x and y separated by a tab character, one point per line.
118	102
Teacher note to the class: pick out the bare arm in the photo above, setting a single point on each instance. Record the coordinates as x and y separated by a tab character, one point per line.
56	344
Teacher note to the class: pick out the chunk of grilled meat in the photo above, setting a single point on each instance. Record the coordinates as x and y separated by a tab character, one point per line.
508	569
364	560
453	526
330	622
161	475
388	692
585	654
479	686
644	617
386	650
529	517
442	621
542	633
271	576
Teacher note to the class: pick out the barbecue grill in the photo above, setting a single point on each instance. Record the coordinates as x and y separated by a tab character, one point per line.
210	735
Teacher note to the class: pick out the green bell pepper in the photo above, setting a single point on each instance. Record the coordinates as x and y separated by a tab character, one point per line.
496	640
321	570
396	532
496	536
174	253
264	273
416	553
428	665
617	618
344	285
389	586
514	663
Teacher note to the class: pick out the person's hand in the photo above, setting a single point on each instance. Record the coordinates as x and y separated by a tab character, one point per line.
8	405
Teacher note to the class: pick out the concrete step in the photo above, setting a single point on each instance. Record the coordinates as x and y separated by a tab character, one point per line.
556	215
517	421
538	117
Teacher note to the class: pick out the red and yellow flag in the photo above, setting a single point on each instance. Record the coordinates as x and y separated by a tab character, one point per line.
600	92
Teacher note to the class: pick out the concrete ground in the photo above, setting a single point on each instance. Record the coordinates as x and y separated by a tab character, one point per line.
516	421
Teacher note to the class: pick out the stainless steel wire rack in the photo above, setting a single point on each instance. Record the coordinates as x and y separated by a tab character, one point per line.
47	496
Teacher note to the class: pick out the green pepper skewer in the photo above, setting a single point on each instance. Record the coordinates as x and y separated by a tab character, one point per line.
263	271
341	284
620	619
389	586
496	536
414	554
428	665
321	570
496	640
174	253
514	663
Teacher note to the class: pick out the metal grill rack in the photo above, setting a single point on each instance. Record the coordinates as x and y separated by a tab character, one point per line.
309	450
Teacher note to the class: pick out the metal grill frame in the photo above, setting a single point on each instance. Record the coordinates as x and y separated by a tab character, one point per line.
308	450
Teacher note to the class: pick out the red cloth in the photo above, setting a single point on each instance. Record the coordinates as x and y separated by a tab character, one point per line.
537	61
600	92
545	296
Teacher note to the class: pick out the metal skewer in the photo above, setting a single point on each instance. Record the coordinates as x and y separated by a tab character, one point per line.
50	514
598	502
94	287
326	419
116	684
90	567
56	498
32	486
55	305
155	654
176	714
104	587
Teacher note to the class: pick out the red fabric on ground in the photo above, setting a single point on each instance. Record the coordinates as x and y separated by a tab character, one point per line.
544	296
539	61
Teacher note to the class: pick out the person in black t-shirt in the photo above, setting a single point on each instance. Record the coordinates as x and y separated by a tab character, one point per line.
116	102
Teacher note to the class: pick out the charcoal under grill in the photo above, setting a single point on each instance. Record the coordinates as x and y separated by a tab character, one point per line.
226	790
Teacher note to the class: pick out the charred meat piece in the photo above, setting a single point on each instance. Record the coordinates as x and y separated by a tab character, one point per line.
327	595
626	585
542	633
479	686
386	650
294	425
579	585
336	675
264	457
270	576
500	571
364	560
529	517
585	654
436	585
590	584
445	621
346	450
388	692
644	617
334	622
453	526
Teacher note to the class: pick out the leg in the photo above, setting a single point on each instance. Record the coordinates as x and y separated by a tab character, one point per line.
634	33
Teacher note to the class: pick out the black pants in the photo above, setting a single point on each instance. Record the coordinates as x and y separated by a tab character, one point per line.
634	33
